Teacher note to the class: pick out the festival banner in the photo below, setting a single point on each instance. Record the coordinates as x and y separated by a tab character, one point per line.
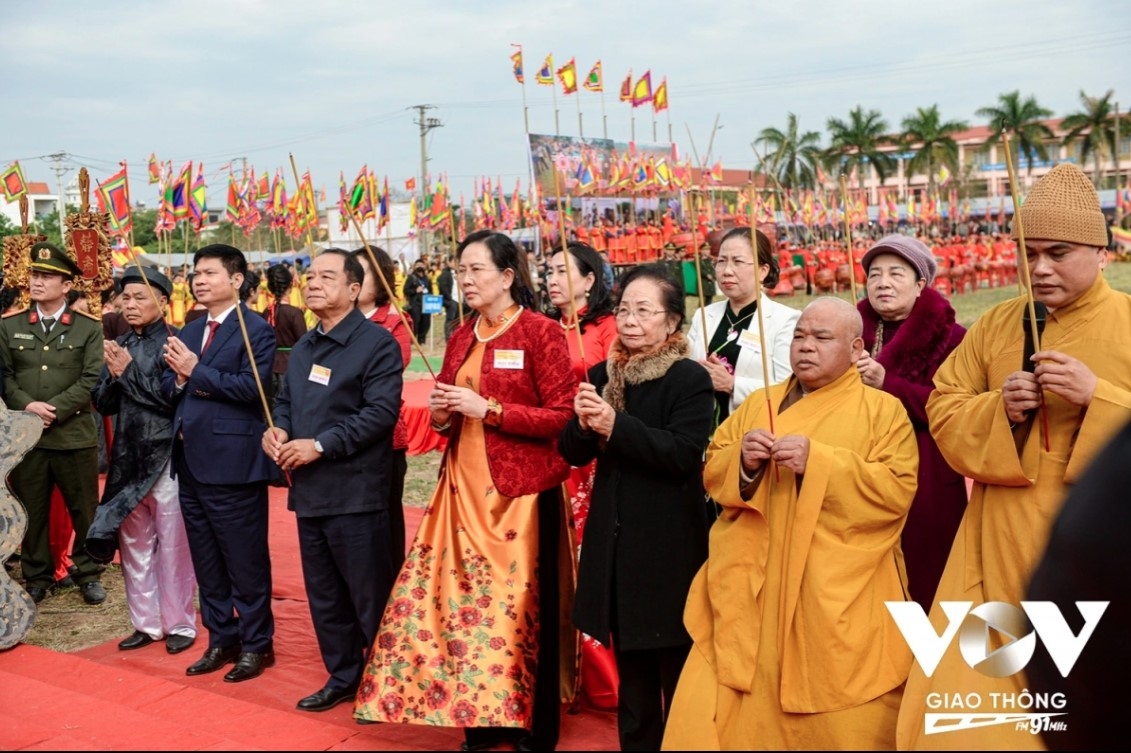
596	165
12	180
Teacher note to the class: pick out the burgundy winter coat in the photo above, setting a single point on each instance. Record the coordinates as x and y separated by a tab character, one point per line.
910	358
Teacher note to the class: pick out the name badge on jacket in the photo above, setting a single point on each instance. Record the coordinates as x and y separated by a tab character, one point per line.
509	359
749	339
319	374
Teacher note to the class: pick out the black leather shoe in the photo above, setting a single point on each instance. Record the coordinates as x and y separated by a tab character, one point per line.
326	699
175	644
213	659
250	665
93	593
137	640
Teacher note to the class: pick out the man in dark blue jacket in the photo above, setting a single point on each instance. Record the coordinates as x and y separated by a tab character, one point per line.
334	420
221	472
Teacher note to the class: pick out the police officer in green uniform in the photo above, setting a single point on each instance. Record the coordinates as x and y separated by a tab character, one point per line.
52	357
707	273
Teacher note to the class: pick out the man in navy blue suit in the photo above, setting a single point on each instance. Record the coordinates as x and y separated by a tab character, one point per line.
223	474
334	420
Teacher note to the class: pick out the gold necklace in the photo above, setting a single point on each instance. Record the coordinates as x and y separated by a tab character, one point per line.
507	322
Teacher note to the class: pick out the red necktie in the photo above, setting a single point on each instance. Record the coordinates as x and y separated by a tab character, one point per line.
212	327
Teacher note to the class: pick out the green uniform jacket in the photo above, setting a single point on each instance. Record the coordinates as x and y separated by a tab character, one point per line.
58	368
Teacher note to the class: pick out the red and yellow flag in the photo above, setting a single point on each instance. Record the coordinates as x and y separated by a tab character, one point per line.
12	180
567	74
626	88
516	61
642	92
660	97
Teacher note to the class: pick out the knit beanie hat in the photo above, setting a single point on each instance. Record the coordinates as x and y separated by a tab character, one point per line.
1064	206
911	250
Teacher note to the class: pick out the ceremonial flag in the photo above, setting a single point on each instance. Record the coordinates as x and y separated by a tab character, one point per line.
943	176
642	92
412	216
626	88
181	188
359	194
516	61
410	184
910	206
165	222
154	169
196	200
660	97
383	207
13	182
545	75
567	74
585	179
716	174
232	211
595	81
663	173
439	209
114	196
264	186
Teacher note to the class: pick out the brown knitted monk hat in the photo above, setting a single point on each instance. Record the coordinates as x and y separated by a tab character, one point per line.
1063	206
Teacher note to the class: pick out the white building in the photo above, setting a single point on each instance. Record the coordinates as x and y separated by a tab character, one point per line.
40	202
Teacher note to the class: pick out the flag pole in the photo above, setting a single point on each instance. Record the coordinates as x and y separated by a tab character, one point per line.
699	276
761	322
604	117
129	205
455	244
848	238
389	291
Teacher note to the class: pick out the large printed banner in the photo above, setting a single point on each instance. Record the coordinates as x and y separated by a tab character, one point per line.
600	167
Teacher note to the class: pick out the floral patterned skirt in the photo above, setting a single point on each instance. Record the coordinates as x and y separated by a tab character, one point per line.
458	643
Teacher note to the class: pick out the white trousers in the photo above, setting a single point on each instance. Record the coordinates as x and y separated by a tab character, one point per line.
156	564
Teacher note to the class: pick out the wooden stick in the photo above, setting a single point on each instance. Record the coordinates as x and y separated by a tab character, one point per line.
1022	252
568	266
255	371
758	298
848	238
455	244
389	292
699	277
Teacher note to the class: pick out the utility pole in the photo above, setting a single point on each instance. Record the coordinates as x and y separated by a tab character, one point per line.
60	171
426	124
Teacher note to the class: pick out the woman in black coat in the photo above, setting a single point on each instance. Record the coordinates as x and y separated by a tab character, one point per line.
646	416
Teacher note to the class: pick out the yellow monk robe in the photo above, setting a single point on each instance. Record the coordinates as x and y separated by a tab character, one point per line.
794	648
1015	498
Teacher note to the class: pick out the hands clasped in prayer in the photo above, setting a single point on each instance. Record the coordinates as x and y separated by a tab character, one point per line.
180	359
446	399
593	413
790	452
1060	374
117	358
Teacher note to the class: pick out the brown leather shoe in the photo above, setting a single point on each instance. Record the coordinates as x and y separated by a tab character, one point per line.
213	659
250	665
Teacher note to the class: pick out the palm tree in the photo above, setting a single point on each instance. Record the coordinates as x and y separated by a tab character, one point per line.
933	142
1095	127
1022	119
856	144
791	157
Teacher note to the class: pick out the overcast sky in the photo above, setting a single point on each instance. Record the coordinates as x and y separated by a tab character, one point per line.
331	81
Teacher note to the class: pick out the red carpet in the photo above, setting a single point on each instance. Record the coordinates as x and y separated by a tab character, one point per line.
105	699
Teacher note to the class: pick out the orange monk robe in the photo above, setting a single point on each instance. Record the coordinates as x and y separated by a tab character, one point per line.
582	233
793	647
630	246
667	229
1015	496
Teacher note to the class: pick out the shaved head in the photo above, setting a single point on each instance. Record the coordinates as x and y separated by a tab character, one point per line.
826	343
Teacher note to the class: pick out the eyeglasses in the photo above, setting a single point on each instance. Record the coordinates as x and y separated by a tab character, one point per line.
640	313
737	264
474	271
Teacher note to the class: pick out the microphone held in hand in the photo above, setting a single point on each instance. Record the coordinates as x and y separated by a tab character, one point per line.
1041	312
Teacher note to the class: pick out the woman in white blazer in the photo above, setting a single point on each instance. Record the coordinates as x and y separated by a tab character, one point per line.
732	352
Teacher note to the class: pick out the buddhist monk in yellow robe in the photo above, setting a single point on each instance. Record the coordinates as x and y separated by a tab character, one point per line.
989	418
793	647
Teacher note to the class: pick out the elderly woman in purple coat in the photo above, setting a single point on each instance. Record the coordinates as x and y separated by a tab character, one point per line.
909	330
